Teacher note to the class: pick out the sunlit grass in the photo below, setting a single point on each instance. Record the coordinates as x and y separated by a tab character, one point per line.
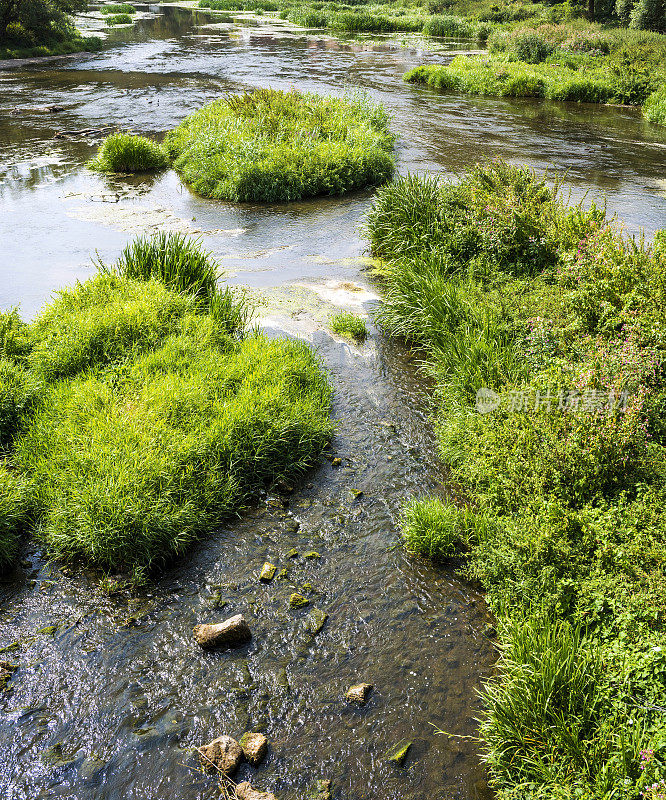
124	152
350	325
272	145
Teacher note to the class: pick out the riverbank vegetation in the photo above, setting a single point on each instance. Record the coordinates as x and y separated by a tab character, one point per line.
153	416
124	152
270	146
600	53
543	325
41	28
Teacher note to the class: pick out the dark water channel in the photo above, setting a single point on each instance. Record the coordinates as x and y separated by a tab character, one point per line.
111	695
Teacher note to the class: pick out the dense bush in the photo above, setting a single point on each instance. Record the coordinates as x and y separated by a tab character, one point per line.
271	145
124	152
563	471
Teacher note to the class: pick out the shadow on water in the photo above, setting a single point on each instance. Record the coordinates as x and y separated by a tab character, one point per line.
111	695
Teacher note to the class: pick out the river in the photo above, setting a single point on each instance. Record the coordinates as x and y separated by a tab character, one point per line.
111	695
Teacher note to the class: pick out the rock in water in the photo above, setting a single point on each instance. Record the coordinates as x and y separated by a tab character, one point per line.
267	572
316	621
255	747
244	791
222	755
399	753
232	632
359	693
298	601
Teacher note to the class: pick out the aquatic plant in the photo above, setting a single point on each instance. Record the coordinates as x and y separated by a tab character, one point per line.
119	19
552	317
125	152
271	145
117	8
351	325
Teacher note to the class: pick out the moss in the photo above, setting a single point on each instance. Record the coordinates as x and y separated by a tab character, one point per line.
316	621
270	145
298	601
267	572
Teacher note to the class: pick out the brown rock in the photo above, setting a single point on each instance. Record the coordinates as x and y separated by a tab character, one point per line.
359	692
232	632
244	791
222	755
255	747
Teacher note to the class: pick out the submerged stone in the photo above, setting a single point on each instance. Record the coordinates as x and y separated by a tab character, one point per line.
244	791
268	572
316	621
298	601
311	554
337	462
359	693
233	632
399	753
323	789
293	553
255	747
222	755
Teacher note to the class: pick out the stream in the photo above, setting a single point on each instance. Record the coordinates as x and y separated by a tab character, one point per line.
112	695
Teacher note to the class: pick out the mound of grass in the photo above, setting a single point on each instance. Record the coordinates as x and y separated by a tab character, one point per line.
124	152
435	529
239	5
154	417
119	19
555	317
272	145
350	325
15	513
118	8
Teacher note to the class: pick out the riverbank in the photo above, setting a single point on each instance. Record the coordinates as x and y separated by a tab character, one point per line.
544	330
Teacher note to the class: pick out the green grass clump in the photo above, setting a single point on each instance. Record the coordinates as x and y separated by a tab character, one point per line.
509	289
350	325
118	8
15	513
173	259
143	415
270	145
239	5
119	19
435	529
124	152
655	107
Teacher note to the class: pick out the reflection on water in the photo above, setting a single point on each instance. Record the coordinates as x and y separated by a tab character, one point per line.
109	703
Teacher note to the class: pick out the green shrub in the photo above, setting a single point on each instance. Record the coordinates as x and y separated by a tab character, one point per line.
448	25
15	512
239	5
124	152
271	145
118	8
351	325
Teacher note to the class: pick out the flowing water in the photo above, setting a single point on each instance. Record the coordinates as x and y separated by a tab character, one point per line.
111	695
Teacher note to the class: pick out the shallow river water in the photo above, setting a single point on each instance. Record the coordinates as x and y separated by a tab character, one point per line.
111	695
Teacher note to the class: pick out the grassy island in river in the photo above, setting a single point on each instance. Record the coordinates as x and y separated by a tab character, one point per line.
545	330
270	146
136	414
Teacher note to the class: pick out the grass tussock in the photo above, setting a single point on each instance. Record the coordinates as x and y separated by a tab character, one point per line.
350	325
143	415
270	145
124	152
15	513
557	316
118	8
119	19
